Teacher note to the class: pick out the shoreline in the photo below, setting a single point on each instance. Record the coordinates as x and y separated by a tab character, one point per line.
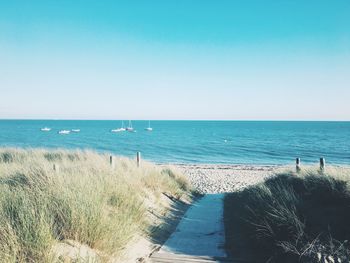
228	166
208	164
290	163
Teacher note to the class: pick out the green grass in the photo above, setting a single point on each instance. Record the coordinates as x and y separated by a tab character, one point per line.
83	200
291	218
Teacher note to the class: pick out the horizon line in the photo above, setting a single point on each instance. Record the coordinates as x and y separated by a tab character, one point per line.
228	120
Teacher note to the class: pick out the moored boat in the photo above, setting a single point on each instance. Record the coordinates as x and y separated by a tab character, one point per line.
64	132
119	129
129	128
149	128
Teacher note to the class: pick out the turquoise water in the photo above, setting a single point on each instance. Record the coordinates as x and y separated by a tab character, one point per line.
229	142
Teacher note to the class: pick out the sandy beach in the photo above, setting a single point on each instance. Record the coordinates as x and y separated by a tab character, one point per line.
217	178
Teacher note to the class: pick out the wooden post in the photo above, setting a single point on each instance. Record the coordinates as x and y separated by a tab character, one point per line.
112	161
322	164
56	168
138	158
297	165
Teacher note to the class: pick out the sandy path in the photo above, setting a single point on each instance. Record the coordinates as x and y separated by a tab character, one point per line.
200	232
200	235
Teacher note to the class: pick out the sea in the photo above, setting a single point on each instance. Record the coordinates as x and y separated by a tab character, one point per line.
197	142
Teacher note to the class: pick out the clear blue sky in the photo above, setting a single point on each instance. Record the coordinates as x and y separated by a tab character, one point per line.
175	59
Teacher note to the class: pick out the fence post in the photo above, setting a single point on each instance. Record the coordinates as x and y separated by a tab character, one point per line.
56	168
138	158
297	165
322	164
112	161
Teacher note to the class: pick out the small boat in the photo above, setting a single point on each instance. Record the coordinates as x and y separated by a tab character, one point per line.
119	129
45	129
64	132
129	128
75	130
149	128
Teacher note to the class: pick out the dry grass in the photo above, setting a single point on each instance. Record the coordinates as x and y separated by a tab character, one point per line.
292	218
83	200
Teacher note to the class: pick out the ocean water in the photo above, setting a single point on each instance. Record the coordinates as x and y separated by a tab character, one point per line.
222	142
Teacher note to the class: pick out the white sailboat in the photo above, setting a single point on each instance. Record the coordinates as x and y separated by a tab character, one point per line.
64	132
121	129
130	128
45	129
149	128
75	130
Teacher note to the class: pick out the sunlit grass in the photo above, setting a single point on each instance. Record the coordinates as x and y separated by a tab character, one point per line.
83	199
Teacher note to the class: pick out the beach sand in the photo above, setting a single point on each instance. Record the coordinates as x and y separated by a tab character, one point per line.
212	178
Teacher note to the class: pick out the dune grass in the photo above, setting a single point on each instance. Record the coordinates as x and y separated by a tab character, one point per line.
292	218
83	199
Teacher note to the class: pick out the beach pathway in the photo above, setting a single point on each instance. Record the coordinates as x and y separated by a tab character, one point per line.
199	237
